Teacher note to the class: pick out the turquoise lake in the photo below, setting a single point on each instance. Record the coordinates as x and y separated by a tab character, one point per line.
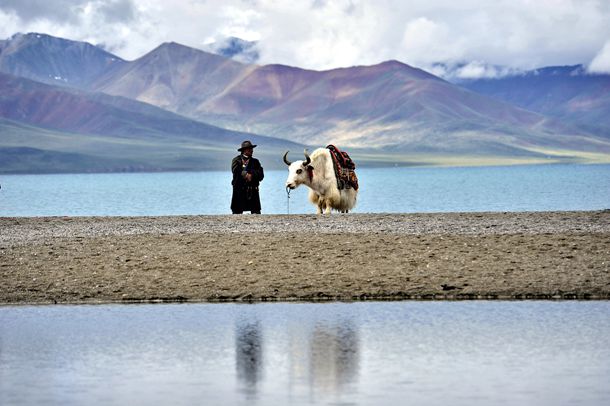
383	190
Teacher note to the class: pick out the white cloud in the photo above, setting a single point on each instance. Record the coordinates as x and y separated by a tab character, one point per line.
601	61
239	23
472	70
479	70
475	70
322	35
426	41
327	34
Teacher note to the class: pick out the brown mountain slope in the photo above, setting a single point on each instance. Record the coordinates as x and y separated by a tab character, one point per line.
47	128
173	76
389	105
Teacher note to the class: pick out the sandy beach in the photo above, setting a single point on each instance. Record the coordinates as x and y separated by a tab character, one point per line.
537	255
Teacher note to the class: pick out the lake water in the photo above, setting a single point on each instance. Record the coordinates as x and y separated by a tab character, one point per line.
391	190
374	353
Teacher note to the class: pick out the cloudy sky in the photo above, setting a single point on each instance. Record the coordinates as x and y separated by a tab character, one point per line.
324	34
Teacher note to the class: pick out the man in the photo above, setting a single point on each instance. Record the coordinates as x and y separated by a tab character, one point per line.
247	174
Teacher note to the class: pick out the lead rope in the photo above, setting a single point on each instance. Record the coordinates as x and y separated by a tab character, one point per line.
287	200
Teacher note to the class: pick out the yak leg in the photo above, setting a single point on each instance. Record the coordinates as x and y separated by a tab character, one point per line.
317	200
327	207
320	206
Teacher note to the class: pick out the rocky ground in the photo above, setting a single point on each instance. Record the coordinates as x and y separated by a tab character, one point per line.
551	255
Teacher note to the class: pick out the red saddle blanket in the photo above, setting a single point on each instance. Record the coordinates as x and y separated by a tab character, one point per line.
345	168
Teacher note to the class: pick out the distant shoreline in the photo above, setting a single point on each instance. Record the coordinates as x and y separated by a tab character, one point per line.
406	162
530	255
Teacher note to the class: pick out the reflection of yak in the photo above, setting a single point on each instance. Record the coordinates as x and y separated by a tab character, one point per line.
334	356
248	354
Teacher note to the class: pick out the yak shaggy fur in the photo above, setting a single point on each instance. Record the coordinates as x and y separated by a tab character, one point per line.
323	190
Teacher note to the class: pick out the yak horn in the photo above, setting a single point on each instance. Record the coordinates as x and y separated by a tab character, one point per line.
286	161
306	157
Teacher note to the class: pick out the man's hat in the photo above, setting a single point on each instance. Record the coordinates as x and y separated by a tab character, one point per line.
246	144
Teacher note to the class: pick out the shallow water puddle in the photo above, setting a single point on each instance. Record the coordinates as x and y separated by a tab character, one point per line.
302	353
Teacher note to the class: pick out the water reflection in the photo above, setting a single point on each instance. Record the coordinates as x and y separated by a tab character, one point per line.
249	355
319	360
333	357
301	354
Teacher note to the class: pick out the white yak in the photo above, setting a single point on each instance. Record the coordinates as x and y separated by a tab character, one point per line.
318	173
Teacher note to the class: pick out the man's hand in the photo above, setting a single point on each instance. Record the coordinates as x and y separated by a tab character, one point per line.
248	177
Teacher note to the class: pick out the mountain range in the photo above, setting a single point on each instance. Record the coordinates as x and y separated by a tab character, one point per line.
52	122
566	92
180	108
129	134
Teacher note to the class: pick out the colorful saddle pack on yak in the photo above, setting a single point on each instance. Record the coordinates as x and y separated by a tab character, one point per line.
345	168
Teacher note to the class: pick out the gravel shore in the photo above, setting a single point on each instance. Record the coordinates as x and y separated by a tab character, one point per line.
556	255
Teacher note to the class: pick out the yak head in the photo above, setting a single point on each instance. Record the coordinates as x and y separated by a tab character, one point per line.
299	172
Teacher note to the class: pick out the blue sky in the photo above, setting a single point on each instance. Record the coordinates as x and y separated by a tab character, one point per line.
325	34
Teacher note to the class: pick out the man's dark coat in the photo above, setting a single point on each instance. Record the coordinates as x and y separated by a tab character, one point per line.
245	194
